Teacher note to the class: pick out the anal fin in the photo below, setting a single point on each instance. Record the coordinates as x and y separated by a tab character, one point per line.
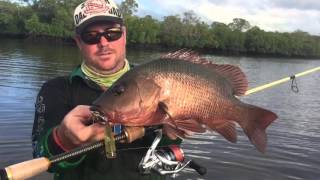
226	128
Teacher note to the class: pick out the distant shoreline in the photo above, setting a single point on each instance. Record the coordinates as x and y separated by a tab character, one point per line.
150	47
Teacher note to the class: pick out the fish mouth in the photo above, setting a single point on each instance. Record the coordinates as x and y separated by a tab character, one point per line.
98	116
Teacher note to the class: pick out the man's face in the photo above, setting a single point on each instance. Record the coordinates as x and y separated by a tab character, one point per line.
105	56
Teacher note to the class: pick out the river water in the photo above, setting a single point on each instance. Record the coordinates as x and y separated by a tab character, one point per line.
293	151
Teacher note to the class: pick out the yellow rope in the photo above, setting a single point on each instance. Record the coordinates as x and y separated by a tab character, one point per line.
274	83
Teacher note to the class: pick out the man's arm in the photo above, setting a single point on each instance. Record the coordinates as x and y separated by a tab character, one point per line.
52	104
57	129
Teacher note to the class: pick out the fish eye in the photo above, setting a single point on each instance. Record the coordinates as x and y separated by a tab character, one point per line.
118	90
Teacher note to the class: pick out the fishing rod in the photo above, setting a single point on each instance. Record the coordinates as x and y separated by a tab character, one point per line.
167	160
28	169
294	87
160	161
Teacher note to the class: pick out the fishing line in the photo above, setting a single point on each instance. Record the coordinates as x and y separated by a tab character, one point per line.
143	147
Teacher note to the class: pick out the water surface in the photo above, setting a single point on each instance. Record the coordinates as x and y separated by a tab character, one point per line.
294	139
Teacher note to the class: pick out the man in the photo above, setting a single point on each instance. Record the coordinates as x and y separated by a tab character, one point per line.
62	112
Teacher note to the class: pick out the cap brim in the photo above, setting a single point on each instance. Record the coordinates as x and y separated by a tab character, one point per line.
98	19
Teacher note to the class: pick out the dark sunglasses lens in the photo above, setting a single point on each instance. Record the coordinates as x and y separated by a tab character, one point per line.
113	35
90	37
94	37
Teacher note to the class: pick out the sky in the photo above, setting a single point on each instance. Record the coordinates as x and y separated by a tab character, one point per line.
269	15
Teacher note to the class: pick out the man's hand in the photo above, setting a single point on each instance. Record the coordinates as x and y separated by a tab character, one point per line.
75	131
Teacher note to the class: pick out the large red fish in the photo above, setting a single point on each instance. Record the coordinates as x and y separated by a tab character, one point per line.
186	94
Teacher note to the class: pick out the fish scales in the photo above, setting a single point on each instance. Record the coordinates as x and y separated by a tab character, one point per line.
185	96
194	89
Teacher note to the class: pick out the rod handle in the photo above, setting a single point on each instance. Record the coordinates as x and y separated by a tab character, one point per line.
200	169
26	169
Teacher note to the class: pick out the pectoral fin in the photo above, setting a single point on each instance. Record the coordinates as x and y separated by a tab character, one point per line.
179	127
190	125
183	128
172	132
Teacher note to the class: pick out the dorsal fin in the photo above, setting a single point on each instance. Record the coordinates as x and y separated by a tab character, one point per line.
232	73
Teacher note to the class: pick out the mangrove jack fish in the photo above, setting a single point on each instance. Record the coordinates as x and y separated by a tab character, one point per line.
186	94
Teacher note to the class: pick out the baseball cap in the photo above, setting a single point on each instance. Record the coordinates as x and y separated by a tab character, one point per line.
93	11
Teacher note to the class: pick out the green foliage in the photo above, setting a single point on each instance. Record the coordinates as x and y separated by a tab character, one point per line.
170	33
190	32
55	18
34	27
255	40
222	35
5	21
145	31
62	24
9	17
128	7
239	24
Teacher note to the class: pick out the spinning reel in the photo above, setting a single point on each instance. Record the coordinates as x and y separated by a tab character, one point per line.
166	160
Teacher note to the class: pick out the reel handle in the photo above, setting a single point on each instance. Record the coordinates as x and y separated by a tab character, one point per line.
196	166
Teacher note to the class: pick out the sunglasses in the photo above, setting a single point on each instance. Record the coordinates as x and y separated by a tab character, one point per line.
94	37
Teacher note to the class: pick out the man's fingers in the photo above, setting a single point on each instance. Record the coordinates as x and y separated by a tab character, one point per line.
81	113
99	132
77	129
93	132
98	137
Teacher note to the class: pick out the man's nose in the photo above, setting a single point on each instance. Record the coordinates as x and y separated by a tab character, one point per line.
103	41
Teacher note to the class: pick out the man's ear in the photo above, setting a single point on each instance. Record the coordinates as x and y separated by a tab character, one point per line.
78	41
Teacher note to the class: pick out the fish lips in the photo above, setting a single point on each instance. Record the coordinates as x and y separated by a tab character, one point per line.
98	115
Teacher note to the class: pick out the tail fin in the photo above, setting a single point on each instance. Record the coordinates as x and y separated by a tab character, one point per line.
254	121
